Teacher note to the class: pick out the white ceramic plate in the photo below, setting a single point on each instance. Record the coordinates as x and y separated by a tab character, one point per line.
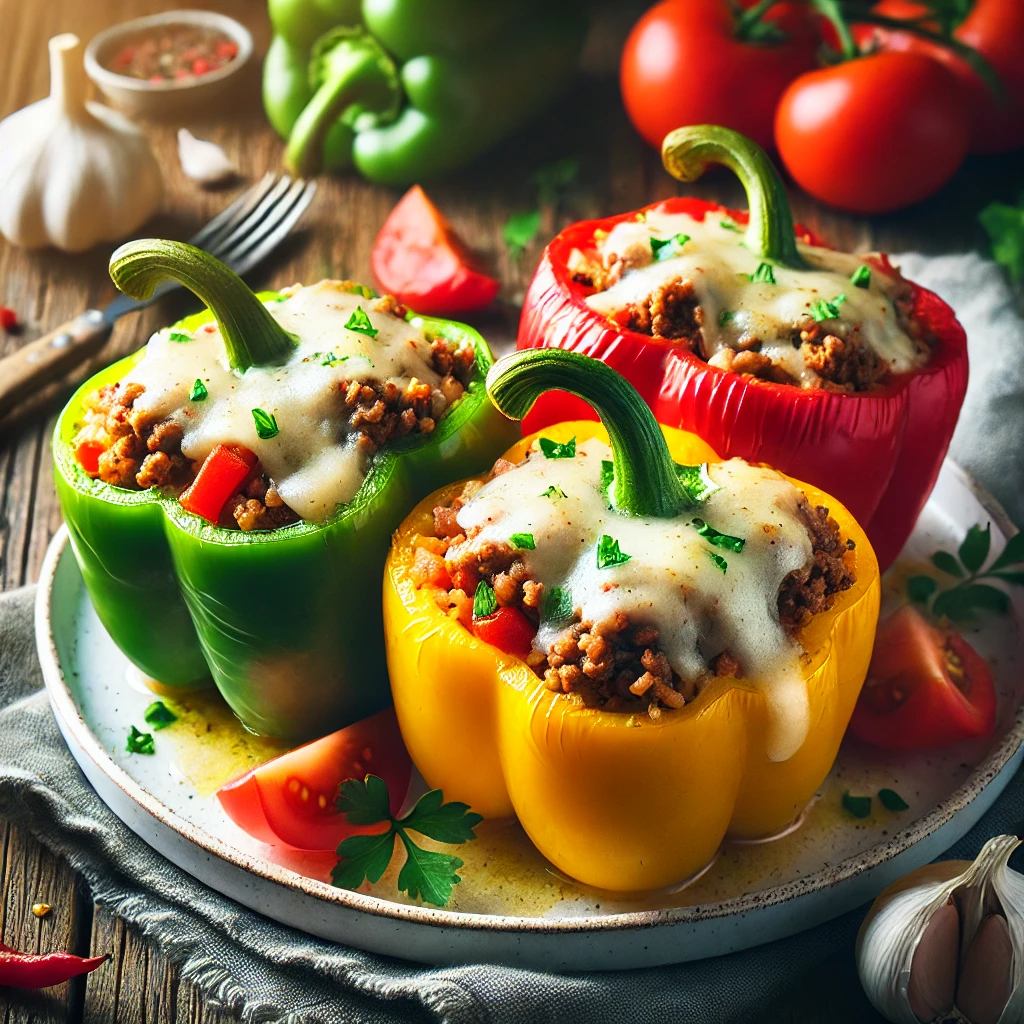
511	906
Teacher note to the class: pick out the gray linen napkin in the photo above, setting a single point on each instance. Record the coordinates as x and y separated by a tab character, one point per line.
269	973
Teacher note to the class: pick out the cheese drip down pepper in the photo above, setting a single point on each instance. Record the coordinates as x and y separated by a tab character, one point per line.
617	801
281	618
878	451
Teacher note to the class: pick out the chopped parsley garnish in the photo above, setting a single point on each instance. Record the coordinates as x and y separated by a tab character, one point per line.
718	560
158	715
607	475
556	604
328	358
892	801
266	424
179	336
763	275
726	317
522	541
554	493
608	553
426	874
861	277
729	226
360	323
484	601
858	806
720	540
823	309
519	231
140	742
554	450
696	482
198	393
666	248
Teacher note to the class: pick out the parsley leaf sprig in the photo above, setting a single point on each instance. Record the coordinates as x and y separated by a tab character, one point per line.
666	248
720	540
554	450
964	599
826	309
609	554
552	182
1004	225
140	742
158	716
426	874
360	323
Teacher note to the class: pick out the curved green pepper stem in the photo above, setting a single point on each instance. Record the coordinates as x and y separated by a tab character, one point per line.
686	154
645	483
353	76
251	335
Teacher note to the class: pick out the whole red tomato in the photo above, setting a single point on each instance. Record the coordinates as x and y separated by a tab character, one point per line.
691	62
995	29
875	133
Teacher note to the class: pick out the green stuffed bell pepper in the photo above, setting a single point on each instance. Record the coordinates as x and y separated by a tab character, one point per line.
231	490
419	87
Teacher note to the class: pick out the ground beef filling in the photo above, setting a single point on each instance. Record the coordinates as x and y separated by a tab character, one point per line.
614	664
671	312
141	453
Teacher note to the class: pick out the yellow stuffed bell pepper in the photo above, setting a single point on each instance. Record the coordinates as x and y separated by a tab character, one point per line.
618	801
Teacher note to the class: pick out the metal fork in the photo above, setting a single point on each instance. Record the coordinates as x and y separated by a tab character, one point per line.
240	236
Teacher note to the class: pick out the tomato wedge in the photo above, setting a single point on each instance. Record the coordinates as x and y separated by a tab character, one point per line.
508	629
221	475
290	800
420	260
926	687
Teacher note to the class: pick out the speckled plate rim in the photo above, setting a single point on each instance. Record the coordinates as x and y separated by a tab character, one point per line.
999	765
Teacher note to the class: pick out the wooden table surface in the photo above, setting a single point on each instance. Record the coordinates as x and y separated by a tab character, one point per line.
46	288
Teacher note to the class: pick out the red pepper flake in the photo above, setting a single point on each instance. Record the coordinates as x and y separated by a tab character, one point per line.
41	970
8	319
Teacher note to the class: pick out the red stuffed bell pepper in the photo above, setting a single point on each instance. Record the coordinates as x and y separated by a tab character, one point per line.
871	424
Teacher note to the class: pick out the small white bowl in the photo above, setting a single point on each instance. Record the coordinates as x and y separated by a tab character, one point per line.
159	99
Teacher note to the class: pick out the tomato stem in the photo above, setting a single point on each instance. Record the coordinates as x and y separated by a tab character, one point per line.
687	153
751	26
251	335
645	482
833	12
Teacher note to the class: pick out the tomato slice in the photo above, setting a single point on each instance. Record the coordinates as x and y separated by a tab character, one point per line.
508	629
420	260
221	475
926	687
290	800
88	454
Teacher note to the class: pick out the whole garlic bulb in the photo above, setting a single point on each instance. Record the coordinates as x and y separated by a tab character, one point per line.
947	937
73	173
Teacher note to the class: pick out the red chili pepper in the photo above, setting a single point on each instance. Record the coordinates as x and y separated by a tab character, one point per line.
41	970
879	452
222	474
8	318
508	629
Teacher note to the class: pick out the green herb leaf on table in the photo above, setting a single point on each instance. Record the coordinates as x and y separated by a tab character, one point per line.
426	874
198	392
554	493
826	309
666	248
554	450
1004	225
179	336
947	563
720	540
697	482
556	604
266	424
892	801
554	178
360	323
975	547
861	277
763	275
920	588
858	806
1012	554
961	602
519	231
158	715
718	560
140	742
608	553
523	542
484	601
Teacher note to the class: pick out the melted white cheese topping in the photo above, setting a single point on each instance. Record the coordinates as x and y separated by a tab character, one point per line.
671	581
735	308
313	460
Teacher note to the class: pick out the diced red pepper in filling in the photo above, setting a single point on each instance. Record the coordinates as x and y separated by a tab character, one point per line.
508	629
226	468
88	454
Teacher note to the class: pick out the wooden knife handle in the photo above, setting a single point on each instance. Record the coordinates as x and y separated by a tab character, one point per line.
47	358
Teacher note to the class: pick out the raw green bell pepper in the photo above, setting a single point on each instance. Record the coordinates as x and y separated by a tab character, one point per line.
287	622
417	89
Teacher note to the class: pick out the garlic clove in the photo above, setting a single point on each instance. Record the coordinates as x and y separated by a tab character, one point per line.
986	980
932	985
203	161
